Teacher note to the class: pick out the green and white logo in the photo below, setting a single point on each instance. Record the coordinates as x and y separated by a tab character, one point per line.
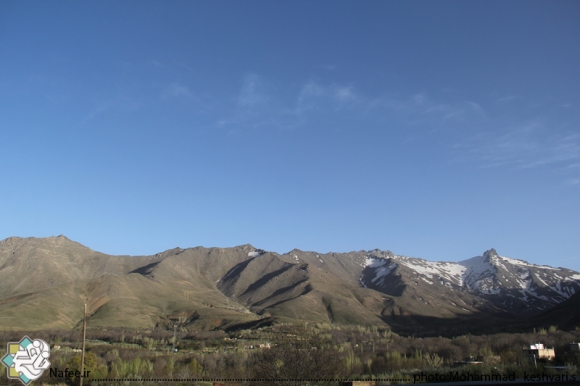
26	360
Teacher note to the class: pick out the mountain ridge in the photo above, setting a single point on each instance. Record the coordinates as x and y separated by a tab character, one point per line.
217	288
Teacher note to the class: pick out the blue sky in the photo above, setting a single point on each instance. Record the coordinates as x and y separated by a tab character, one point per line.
435	129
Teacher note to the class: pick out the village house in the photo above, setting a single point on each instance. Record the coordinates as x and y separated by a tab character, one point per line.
538	351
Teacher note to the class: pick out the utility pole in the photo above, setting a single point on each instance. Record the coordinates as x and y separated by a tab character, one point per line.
83	347
174	329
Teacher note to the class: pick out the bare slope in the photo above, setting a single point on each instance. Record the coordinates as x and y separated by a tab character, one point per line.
33	264
271	284
45	282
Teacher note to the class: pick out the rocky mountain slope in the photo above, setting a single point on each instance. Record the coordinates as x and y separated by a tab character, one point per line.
490	280
565	315
219	288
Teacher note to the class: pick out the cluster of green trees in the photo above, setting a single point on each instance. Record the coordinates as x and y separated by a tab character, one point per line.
307	351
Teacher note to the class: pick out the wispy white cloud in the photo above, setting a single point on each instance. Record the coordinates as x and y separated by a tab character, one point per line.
420	109
175	90
344	94
507	99
419	99
120	102
475	107
526	146
532	144
256	108
252	93
455	110
416	108
312	89
315	96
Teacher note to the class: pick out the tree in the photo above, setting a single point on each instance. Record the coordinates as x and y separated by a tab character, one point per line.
195	368
304	357
93	363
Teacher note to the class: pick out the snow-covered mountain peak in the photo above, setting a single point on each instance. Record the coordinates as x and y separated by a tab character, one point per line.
514	284
479	272
490	253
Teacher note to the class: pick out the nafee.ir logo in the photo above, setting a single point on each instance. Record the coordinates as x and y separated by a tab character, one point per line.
26	360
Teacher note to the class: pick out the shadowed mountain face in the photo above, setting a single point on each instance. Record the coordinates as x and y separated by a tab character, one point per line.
565	315
45	282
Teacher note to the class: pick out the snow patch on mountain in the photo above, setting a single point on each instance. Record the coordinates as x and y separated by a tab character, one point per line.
451	272
478	273
525	263
487	275
382	267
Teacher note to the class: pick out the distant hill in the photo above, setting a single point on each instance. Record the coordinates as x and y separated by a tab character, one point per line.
566	315
44	283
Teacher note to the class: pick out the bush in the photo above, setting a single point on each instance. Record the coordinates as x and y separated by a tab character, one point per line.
93	363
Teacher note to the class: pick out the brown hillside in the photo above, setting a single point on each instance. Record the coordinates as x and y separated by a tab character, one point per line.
44	283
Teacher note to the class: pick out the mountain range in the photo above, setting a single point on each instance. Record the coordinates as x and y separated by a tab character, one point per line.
44	283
